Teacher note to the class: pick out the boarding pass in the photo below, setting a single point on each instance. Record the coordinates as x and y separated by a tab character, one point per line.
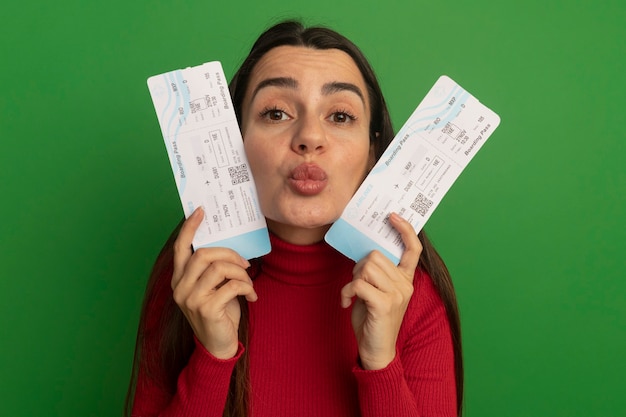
420	165
207	157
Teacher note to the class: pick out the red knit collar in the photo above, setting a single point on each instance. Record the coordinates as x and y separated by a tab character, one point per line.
305	265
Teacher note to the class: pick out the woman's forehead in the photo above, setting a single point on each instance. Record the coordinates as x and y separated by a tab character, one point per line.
300	67
300	61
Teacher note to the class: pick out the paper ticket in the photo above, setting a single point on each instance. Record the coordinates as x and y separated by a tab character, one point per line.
417	169
207	157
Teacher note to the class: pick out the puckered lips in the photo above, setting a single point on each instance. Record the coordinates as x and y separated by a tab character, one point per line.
308	179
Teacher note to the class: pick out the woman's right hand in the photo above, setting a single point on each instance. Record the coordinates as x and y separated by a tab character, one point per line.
206	284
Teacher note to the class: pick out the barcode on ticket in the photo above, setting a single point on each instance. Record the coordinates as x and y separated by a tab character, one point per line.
421	204
239	174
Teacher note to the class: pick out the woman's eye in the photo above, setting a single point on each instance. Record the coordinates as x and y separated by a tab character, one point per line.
274	115
342	117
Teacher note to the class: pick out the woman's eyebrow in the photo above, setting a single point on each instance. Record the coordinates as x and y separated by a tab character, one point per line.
292	83
284	82
336	87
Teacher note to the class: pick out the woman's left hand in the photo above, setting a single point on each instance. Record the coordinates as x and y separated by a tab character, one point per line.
383	291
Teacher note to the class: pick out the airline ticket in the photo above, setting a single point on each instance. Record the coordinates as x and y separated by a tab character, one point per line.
207	157
417	169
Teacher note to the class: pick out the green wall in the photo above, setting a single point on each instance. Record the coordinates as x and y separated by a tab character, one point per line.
533	231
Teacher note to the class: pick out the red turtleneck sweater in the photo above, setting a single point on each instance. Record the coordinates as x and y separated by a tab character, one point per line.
303	352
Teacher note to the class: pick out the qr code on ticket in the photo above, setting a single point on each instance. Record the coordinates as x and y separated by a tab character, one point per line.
421	204
239	174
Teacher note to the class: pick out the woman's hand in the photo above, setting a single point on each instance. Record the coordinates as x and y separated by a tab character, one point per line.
383	291
206	284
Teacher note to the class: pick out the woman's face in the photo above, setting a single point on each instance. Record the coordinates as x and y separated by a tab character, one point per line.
305	123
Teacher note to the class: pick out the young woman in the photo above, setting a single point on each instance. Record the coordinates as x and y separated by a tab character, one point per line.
302	331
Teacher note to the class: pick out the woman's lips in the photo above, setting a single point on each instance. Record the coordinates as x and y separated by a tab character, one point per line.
308	179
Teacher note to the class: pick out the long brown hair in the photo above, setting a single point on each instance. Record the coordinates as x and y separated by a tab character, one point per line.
175	334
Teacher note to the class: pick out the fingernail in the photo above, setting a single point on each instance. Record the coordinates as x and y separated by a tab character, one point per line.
196	212
244	261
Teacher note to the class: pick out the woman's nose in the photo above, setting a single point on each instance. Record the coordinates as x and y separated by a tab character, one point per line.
309	136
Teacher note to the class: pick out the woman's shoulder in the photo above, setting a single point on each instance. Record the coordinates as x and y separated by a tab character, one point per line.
426	309
424	288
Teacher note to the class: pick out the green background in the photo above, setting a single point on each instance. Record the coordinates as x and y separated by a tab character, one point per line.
533	231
